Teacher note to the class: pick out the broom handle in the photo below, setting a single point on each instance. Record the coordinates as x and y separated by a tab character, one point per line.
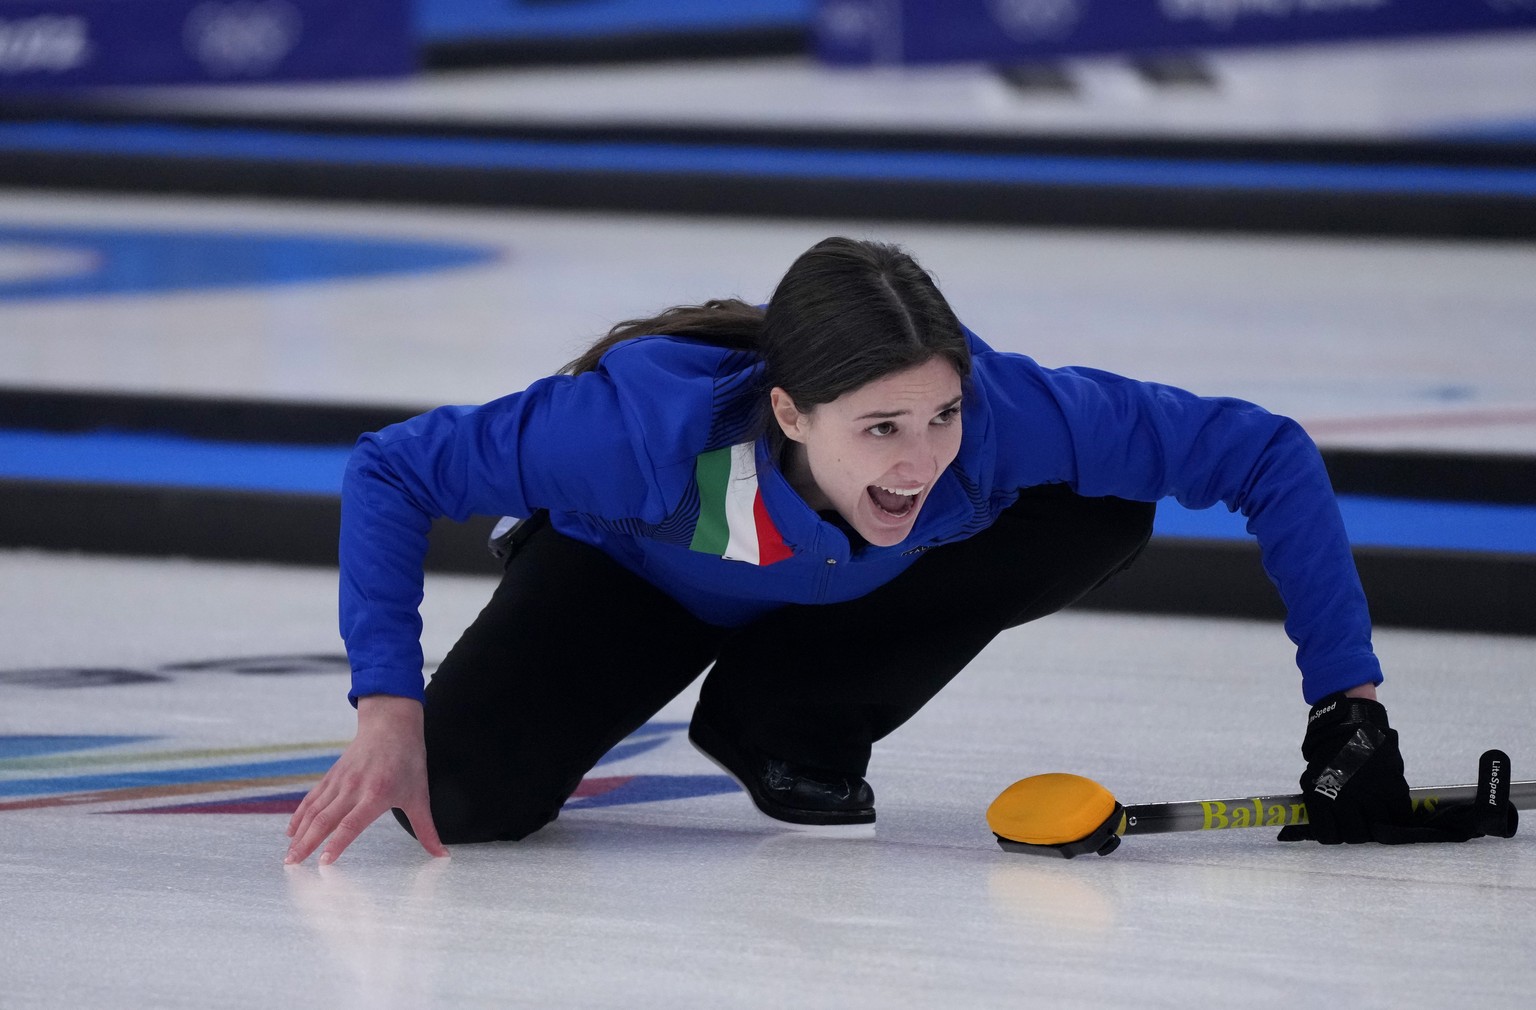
1278	811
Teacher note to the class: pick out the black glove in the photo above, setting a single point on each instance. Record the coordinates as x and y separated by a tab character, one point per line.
1353	786
1355	790
1488	812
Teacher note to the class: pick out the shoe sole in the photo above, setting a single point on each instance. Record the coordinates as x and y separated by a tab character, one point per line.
810	823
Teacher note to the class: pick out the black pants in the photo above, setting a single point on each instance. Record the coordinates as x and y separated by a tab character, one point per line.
573	653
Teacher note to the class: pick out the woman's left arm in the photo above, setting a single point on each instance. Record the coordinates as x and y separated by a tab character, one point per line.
1145	440
1148	441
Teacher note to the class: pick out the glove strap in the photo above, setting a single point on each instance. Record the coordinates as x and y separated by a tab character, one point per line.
1350	759
1341	710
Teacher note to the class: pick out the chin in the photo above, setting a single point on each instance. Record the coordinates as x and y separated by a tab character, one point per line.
885	536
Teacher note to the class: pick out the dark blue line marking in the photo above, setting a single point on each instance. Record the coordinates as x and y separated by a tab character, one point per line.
630	748
133	261
220	806
1384	522
30	746
165	777
655	788
653	728
1492	131
268	146
171	461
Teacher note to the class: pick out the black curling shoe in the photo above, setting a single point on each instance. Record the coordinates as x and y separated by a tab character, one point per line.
794	794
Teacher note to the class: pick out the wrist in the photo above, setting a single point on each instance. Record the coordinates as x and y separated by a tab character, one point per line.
1338	712
382	709
1362	691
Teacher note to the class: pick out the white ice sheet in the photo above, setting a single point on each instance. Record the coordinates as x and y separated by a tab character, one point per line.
697	902
1369	343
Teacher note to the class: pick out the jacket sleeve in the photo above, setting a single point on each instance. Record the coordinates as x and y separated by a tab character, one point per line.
1116	436
562	444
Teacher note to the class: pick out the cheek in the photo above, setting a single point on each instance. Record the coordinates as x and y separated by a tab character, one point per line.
952	446
944	442
846	466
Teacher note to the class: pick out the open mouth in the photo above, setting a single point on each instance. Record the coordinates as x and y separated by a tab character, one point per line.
894	502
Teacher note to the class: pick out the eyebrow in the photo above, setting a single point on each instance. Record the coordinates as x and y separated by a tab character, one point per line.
882	415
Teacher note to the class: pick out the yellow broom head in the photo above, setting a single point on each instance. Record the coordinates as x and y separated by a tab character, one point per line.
1052	809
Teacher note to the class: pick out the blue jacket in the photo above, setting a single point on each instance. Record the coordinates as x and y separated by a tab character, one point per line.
625	458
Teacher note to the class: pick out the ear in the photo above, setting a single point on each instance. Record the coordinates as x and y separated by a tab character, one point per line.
791	420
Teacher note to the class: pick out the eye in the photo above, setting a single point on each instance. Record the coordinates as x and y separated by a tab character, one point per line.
947	417
882	429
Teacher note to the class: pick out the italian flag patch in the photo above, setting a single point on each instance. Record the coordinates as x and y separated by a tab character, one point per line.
733	522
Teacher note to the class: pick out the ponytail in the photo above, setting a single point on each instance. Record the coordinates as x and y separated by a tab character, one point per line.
723	322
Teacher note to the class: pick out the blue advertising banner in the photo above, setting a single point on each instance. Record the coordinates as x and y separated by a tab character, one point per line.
929	31
74	43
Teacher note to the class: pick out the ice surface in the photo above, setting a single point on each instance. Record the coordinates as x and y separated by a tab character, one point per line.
157	683
698	902
1367	342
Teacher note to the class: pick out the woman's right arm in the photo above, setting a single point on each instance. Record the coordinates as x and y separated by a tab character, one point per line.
562	444
559	444
397	481
503	458
384	766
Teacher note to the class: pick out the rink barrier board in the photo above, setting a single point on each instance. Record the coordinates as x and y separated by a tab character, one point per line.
1506	143
1415	587
1441	590
471	52
175	142
191	464
1440	200
1426	475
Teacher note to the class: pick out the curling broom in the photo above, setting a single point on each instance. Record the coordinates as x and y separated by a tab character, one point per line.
1068	815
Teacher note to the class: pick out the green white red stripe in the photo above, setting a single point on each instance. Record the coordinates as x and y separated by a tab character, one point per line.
733	521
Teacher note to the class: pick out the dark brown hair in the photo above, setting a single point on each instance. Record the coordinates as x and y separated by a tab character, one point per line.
846	313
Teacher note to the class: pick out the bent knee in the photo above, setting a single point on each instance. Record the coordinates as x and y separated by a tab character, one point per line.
1131	523
463	816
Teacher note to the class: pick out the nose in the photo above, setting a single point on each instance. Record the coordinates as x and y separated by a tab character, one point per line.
921	459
